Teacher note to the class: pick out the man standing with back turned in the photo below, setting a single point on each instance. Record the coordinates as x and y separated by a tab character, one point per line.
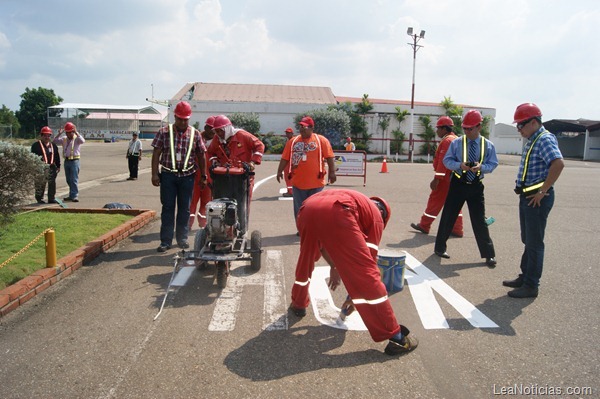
470	157
541	165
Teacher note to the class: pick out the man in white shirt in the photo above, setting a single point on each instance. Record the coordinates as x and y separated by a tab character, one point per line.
134	154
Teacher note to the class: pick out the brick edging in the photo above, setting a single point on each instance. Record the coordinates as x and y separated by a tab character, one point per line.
20	292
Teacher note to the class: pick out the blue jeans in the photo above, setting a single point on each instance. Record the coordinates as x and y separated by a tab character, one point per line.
300	195
533	226
175	191
72	176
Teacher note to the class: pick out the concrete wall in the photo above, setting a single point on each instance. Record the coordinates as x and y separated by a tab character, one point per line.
507	139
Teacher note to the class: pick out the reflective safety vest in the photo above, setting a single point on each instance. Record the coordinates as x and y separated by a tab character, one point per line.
43	147
187	155
535	186
465	154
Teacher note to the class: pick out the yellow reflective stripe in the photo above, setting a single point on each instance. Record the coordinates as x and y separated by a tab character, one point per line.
466	157
187	156
373	246
531	188
440	174
370	301
526	164
302	283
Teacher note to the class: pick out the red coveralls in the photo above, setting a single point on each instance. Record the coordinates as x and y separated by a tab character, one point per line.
242	146
438	196
348	225
203	195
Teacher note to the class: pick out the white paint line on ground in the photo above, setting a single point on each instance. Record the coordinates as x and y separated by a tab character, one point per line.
322	303
422	283
274	309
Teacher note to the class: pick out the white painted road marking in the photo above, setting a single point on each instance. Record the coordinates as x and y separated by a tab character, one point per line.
322	303
423	282
274	310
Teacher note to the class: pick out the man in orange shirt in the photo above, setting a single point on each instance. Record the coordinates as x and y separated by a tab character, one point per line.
307	154
441	181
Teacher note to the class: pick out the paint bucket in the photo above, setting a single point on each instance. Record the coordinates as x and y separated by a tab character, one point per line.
391	266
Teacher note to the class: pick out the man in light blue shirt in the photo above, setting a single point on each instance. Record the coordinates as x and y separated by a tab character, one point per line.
470	157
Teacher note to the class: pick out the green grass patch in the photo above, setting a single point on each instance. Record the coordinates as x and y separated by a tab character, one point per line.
72	230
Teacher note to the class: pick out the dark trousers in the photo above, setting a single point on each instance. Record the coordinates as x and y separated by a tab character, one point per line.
533	226
472	194
40	186
133	162
175	195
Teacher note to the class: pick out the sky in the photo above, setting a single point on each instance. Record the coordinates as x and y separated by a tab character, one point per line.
488	53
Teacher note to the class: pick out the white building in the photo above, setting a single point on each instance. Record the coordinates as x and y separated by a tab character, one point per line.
506	139
277	105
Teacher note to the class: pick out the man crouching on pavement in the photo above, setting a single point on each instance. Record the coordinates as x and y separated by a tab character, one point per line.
349	244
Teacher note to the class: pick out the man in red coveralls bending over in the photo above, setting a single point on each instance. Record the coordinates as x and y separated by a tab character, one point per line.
441	181
349	244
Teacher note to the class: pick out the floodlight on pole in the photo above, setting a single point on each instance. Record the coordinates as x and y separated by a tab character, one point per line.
415	46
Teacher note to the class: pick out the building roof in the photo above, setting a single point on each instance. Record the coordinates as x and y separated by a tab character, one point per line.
571	125
142	109
343	99
233	92
126	116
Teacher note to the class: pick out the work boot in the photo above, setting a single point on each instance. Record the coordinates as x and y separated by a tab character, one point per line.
406	344
524	291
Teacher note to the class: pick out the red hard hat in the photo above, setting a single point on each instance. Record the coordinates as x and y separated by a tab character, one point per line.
289	130
210	121
70	127
527	111
384	208
221	121
472	118
183	110
307	121
444	121
46	130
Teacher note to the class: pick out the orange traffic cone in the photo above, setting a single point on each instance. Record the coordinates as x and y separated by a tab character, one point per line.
384	166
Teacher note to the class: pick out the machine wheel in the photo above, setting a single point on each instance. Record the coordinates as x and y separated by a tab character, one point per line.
222	274
199	242
255	246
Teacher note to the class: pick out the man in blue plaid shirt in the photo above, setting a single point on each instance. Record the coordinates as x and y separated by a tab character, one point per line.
541	165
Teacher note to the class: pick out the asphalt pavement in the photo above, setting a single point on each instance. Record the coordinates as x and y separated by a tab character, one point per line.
93	334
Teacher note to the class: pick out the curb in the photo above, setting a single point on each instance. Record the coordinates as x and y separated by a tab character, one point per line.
22	291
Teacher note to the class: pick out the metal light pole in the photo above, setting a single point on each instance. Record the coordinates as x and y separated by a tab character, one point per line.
415	46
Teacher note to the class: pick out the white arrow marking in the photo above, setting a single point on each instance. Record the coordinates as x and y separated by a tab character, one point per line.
422	283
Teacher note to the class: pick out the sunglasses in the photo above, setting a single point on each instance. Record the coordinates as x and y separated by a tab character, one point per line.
468	129
520	125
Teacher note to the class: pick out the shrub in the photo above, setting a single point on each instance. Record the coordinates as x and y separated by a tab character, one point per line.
19	169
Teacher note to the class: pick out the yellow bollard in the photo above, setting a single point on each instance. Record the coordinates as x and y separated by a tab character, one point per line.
50	248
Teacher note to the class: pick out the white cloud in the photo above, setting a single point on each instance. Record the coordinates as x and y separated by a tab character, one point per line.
492	53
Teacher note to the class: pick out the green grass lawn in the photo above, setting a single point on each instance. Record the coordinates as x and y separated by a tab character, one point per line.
72	230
